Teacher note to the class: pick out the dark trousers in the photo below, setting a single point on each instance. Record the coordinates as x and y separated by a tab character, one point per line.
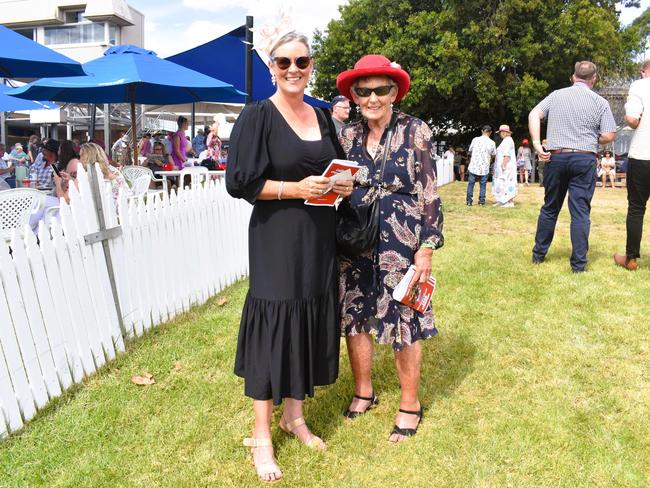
482	187
638	192
575	173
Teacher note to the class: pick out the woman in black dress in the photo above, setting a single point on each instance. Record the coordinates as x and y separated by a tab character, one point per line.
289	332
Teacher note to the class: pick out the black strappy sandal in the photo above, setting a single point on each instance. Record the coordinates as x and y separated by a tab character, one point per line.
349	414
409	432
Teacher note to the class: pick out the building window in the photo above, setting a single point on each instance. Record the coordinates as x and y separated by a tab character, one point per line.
28	33
112	34
77	34
77	30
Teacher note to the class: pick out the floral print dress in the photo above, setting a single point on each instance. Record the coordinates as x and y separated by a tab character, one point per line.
410	215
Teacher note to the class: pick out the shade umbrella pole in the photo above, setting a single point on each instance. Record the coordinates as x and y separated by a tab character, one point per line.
91	130
193	122
134	143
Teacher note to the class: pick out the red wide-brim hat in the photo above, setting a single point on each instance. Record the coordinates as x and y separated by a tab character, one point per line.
374	65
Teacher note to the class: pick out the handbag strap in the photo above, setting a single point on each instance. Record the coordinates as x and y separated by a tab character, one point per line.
389	139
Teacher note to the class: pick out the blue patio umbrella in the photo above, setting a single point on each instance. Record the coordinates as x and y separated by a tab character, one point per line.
129	74
224	58
12	104
21	57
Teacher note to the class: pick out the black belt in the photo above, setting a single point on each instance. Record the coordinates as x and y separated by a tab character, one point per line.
567	150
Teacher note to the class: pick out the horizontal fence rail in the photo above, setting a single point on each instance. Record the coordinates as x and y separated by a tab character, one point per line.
58	316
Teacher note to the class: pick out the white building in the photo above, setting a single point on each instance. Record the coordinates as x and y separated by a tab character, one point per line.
81	30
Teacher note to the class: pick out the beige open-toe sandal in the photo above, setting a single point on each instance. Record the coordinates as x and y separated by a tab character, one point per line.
264	470
314	441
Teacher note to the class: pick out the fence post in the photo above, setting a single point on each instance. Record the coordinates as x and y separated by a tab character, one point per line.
104	235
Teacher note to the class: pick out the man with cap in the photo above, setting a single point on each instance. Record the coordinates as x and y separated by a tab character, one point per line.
481	150
42	170
340	111
578	120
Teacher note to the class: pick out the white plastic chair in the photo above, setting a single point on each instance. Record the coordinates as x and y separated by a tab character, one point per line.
16	208
140	185
131	173
198	174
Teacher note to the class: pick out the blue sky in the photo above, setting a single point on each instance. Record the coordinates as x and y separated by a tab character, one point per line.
172	26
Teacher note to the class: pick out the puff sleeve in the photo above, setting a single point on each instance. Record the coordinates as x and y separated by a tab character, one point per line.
248	155
431	218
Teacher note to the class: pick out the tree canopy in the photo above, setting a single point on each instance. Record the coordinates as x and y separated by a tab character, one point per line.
477	61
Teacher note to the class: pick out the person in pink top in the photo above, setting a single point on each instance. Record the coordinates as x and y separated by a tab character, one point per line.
144	146
179	142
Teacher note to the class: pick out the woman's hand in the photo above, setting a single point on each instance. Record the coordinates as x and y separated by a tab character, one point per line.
343	187
422	261
312	187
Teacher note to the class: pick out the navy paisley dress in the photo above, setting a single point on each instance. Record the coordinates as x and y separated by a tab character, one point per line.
410	215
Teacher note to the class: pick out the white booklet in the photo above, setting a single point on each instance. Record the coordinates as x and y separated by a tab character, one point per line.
337	170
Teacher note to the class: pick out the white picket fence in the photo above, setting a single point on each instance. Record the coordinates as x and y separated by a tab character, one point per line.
58	317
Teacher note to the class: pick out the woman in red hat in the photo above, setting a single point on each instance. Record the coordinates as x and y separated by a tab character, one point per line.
289	333
410	229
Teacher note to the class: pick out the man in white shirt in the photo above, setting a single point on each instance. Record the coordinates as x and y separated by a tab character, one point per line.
482	149
637	116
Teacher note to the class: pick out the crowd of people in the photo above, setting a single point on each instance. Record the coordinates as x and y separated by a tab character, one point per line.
162	151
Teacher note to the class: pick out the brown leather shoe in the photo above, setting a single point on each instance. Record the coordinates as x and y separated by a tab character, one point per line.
625	262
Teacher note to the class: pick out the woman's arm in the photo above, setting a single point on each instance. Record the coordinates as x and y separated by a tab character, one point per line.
428	200
310	187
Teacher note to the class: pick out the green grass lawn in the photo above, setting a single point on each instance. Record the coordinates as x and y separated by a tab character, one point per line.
539	377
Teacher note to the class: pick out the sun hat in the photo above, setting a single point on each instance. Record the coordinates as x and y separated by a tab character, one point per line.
18	145
374	65
505	128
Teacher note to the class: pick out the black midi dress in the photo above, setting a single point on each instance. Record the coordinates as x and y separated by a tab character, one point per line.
289	332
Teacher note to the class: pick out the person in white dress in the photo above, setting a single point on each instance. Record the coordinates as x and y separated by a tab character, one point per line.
504	181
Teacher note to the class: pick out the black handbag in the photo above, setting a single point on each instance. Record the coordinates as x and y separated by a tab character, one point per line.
357	227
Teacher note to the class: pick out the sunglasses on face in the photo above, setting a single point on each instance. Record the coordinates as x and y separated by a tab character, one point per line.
301	62
380	91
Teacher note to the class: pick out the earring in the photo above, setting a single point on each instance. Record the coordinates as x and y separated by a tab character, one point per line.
273	80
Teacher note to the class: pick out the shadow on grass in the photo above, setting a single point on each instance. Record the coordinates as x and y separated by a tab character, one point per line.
446	360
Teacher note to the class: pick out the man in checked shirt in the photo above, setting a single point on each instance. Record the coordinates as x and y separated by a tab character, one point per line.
577	121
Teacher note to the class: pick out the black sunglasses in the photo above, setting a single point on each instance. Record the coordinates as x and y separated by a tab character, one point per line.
380	91
301	62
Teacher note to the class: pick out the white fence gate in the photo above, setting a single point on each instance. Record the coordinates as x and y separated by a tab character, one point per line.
58	317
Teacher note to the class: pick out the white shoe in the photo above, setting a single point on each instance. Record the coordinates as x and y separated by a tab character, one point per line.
498	204
508	205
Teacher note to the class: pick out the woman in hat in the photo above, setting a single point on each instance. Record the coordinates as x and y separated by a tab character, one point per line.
289	331
504	181
410	229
